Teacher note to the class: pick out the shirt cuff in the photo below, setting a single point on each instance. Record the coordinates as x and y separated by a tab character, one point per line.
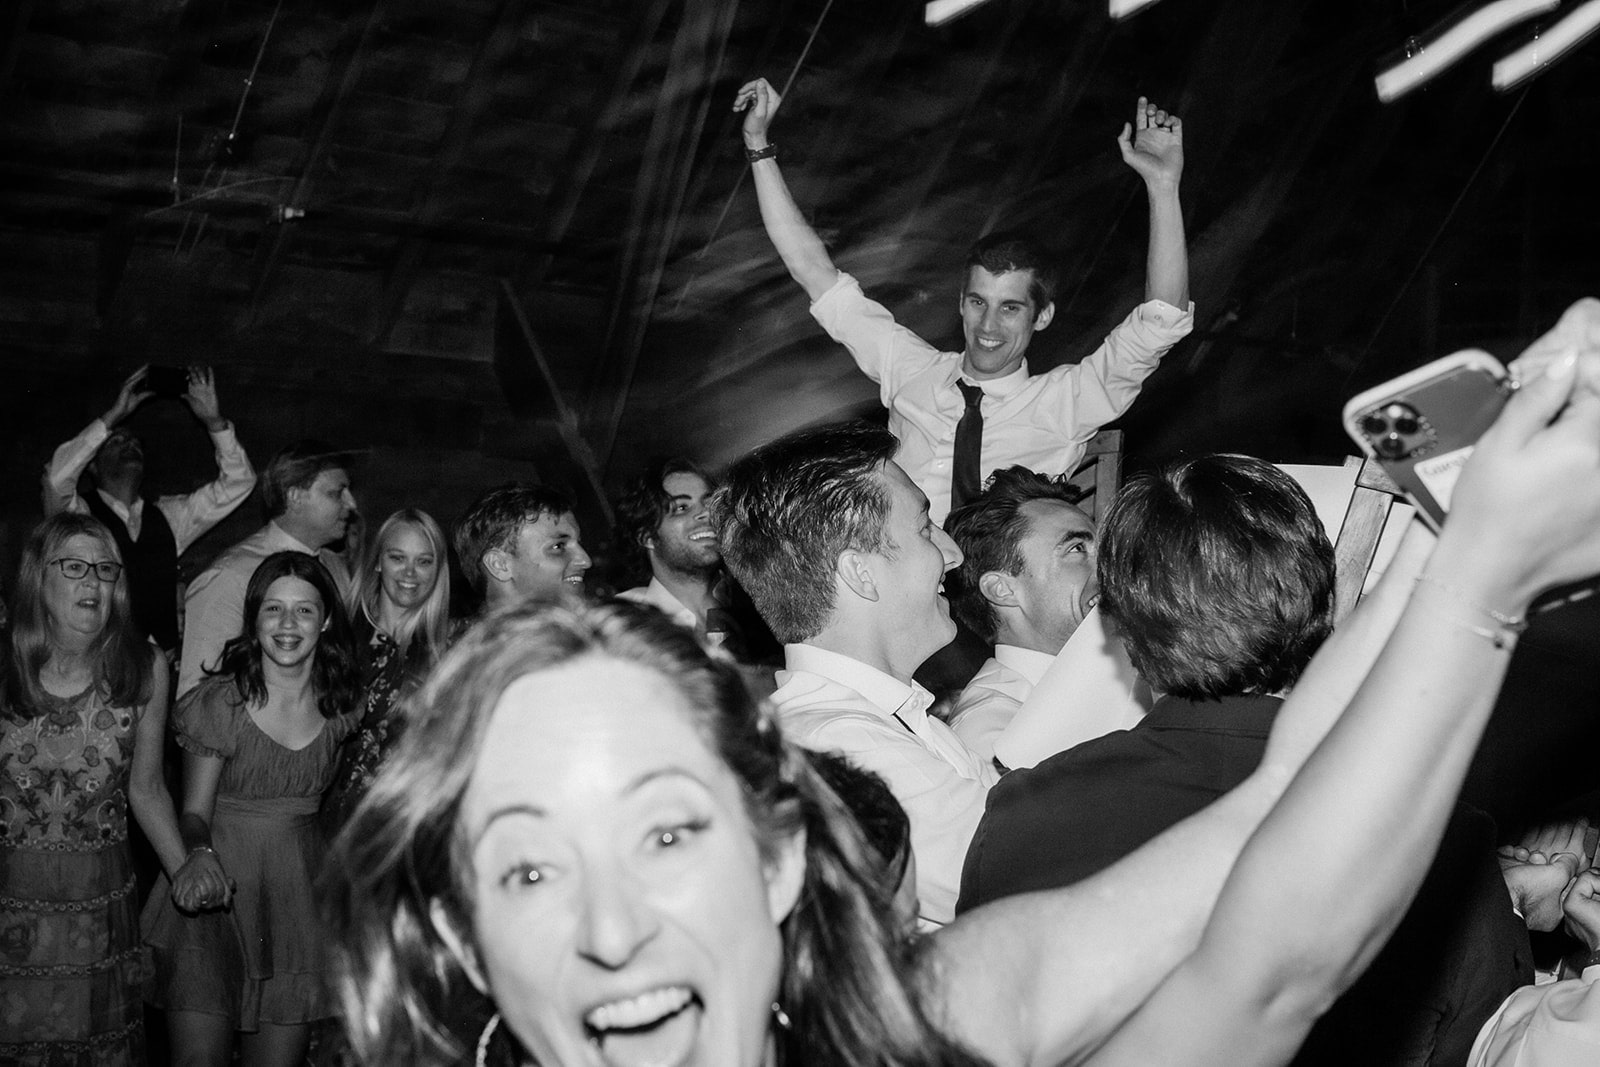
827	297
1165	316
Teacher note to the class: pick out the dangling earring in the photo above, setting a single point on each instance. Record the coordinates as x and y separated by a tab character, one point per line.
781	1017
482	1057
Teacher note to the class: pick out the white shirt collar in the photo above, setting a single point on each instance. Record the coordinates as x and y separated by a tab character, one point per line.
1003	386
884	691
1025	661
278	538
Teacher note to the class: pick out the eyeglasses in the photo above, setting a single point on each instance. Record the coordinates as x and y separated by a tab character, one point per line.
106	570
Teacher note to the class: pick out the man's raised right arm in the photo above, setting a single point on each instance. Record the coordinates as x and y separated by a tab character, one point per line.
798	245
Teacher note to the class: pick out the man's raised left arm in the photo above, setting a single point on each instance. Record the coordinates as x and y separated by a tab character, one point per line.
193	514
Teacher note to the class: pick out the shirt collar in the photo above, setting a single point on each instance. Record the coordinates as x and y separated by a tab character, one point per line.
882	690
660	596
1025	661
279	539
119	509
1001	387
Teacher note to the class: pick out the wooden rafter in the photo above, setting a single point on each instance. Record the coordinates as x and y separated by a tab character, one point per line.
336	90
471	102
675	130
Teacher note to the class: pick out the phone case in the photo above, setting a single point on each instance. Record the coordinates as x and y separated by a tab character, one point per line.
1423	425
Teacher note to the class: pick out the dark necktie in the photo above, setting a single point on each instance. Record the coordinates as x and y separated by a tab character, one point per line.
966	476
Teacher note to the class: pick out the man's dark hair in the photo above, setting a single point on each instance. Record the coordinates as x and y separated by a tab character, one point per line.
989	530
1218	576
790	507
644	504
496	518
295	467
999	253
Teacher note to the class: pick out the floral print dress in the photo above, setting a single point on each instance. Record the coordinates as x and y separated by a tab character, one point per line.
70	970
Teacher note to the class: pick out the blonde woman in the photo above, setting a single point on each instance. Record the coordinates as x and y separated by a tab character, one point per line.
399	608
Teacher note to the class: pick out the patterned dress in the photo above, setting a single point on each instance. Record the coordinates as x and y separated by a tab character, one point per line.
263	959
385	676
69	944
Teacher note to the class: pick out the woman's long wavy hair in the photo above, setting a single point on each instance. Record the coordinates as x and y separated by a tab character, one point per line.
424	631
120	655
846	982
334	675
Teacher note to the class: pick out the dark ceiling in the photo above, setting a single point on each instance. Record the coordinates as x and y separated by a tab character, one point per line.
493	238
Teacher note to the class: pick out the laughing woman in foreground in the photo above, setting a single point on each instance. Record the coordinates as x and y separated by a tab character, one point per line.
591	831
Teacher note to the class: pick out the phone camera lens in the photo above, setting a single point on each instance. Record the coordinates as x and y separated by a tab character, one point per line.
1406	424
1391	447
1375	424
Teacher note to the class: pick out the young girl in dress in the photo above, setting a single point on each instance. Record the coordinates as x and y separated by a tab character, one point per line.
260	740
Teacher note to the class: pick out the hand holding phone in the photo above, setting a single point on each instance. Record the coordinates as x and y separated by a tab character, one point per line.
167	381
1423	425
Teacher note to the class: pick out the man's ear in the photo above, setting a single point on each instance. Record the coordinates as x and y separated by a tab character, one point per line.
293	497
1041	320
496	565
786	876
854	569
456	941
999	589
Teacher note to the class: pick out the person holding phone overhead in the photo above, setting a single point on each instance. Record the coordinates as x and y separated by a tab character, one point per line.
150	538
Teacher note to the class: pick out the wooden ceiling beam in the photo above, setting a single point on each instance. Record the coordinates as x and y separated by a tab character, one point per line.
571	186
677	124
331	104
471	102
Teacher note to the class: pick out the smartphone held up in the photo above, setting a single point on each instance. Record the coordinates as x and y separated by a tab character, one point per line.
1422	426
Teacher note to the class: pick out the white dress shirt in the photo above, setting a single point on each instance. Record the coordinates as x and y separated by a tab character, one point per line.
1041	422
991	700
832	703
660	597
214	604
1552	1025
189	514
1089	690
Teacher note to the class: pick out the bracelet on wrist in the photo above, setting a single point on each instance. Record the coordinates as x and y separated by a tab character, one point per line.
202	848
752	155
1506	629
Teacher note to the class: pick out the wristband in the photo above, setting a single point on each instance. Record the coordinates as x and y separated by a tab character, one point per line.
752	155
202	848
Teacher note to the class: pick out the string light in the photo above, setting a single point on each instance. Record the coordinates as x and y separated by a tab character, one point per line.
1461	37
1547	47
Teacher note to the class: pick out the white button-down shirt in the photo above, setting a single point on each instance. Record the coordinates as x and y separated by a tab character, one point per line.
1040	422
1089	690
832	703
990	701
660	597
189	515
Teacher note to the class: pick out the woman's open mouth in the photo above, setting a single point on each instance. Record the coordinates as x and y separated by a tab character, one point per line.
657	1028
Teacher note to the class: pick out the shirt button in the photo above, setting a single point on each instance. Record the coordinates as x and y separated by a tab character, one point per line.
941	464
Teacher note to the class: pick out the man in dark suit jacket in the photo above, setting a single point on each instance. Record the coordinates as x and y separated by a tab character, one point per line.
1219	578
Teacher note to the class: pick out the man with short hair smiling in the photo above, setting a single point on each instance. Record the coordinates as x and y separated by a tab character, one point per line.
306	490
518	542
1025	584
961	415
835	546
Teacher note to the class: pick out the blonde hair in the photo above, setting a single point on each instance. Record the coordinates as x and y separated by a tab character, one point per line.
427	626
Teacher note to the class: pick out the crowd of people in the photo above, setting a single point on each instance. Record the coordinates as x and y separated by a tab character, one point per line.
1172	812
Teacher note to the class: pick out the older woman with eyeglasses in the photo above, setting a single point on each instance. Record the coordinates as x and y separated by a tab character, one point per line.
81	728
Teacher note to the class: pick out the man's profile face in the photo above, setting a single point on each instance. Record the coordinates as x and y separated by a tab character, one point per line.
998	319
685	541
910	569
547	557
325	506
1056	587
